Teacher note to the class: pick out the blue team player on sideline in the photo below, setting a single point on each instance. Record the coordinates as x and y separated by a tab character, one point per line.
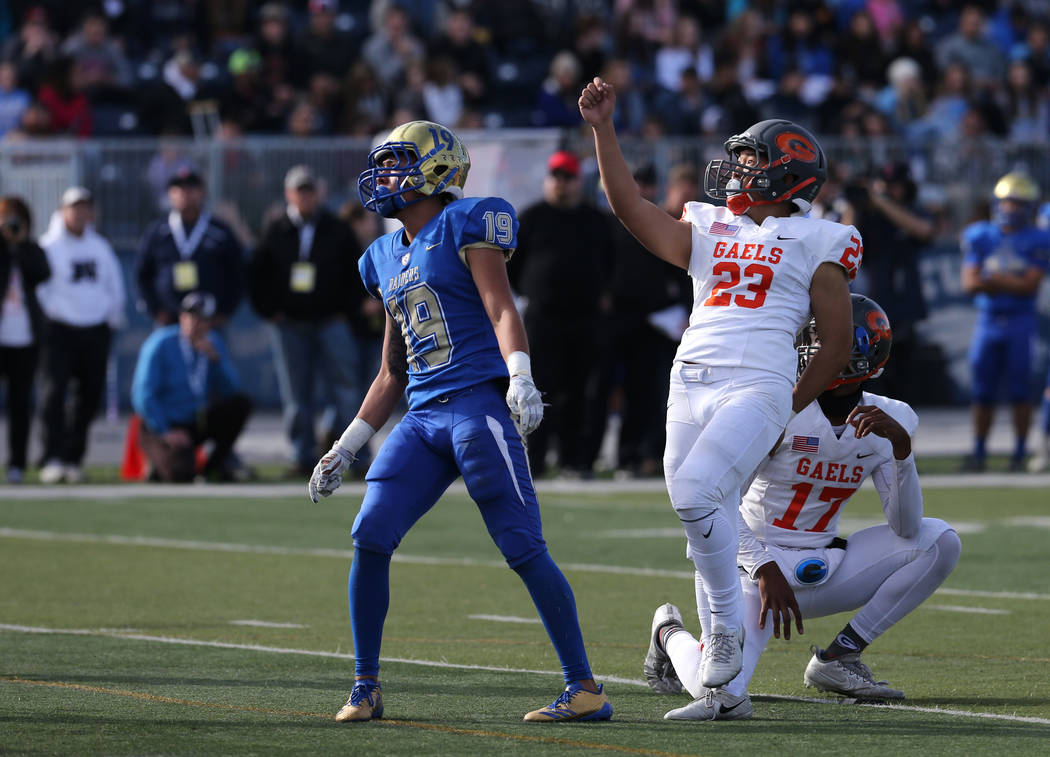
1003	264
453	337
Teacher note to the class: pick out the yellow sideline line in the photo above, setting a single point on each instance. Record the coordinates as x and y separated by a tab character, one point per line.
299	713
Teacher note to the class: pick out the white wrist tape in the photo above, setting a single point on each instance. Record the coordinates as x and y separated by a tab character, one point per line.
519	363
356	436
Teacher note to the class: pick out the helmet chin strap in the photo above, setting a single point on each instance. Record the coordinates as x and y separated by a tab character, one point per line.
740	203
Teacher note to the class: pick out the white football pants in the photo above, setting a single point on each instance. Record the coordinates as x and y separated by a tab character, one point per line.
721	422
882	574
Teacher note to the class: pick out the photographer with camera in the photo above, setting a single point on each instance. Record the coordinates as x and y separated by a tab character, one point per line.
83	301
895	234
23	265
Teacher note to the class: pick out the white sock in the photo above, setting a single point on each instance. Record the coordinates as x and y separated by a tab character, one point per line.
684	650
713	546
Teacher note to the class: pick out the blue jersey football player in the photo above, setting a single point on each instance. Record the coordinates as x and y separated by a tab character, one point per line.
454	343
1004	262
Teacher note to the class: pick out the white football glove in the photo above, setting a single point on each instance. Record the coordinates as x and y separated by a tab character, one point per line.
328	473
523	398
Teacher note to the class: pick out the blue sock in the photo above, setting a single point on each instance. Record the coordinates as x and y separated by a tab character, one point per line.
554	600
1045	413
368	589
1020	449
980	450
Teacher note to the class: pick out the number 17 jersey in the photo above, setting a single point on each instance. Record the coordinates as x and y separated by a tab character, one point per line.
751	285
429	291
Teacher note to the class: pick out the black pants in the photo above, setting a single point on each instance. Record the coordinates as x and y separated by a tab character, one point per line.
17	365
72	356
221	423
566	364
644	356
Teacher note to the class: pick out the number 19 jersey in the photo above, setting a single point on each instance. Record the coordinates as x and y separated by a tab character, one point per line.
751	285
429	291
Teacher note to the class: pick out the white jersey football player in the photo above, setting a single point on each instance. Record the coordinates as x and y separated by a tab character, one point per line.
793	563
760	267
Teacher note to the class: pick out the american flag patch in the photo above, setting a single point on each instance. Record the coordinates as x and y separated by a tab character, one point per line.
805	444
724	229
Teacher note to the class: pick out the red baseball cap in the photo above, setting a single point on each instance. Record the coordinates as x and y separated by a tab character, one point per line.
564	161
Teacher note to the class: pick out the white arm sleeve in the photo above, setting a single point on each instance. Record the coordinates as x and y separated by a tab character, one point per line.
898	485
751	553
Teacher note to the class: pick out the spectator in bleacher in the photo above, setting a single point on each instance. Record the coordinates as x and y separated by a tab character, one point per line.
273	40
556	102
83	303
304	120
23	265
103	64
1036	50
33	48
861	53
903	100
687	49
391	48
364	103
189	250
970	47
642	27
442	95
565	285
946	109
729	106
62	95
593	43
304	282
13	98
458	42
323	47
164	103
248	101
187	392
1024	104
798	45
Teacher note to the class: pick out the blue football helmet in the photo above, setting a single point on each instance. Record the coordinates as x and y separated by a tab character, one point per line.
425	157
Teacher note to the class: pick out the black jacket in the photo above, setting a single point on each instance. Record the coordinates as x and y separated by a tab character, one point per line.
338	290
220	267
34	269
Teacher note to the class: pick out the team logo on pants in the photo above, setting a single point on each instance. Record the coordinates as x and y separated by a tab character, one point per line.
812	570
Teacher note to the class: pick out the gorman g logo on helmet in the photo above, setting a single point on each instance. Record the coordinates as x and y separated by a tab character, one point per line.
797	146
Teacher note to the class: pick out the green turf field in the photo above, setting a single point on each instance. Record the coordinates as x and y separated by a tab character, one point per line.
136	624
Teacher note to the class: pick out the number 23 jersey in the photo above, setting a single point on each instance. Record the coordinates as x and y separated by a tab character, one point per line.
430	293
751	285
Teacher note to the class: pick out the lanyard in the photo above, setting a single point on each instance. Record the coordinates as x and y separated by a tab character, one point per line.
196	368
188	246
306	231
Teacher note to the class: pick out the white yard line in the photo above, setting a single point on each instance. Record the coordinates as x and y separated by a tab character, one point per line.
134	491
456	666
963	608
266	624
346	554
504	619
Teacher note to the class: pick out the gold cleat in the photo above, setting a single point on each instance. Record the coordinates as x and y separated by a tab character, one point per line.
575	703
365	703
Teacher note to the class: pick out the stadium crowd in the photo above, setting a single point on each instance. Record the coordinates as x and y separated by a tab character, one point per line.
920	69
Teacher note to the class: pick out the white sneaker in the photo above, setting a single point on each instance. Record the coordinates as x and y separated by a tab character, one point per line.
848	676
1039	462
53	472
722	657
657	668
74	474
715	704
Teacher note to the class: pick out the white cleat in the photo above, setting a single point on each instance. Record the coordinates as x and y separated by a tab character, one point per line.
74	474
722	657
1039	463
848	676
657	668
715	704
53	472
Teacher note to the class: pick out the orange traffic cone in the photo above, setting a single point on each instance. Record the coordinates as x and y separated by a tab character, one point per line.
133	466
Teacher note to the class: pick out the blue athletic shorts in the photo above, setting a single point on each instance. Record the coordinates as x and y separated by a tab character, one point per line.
1001	348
